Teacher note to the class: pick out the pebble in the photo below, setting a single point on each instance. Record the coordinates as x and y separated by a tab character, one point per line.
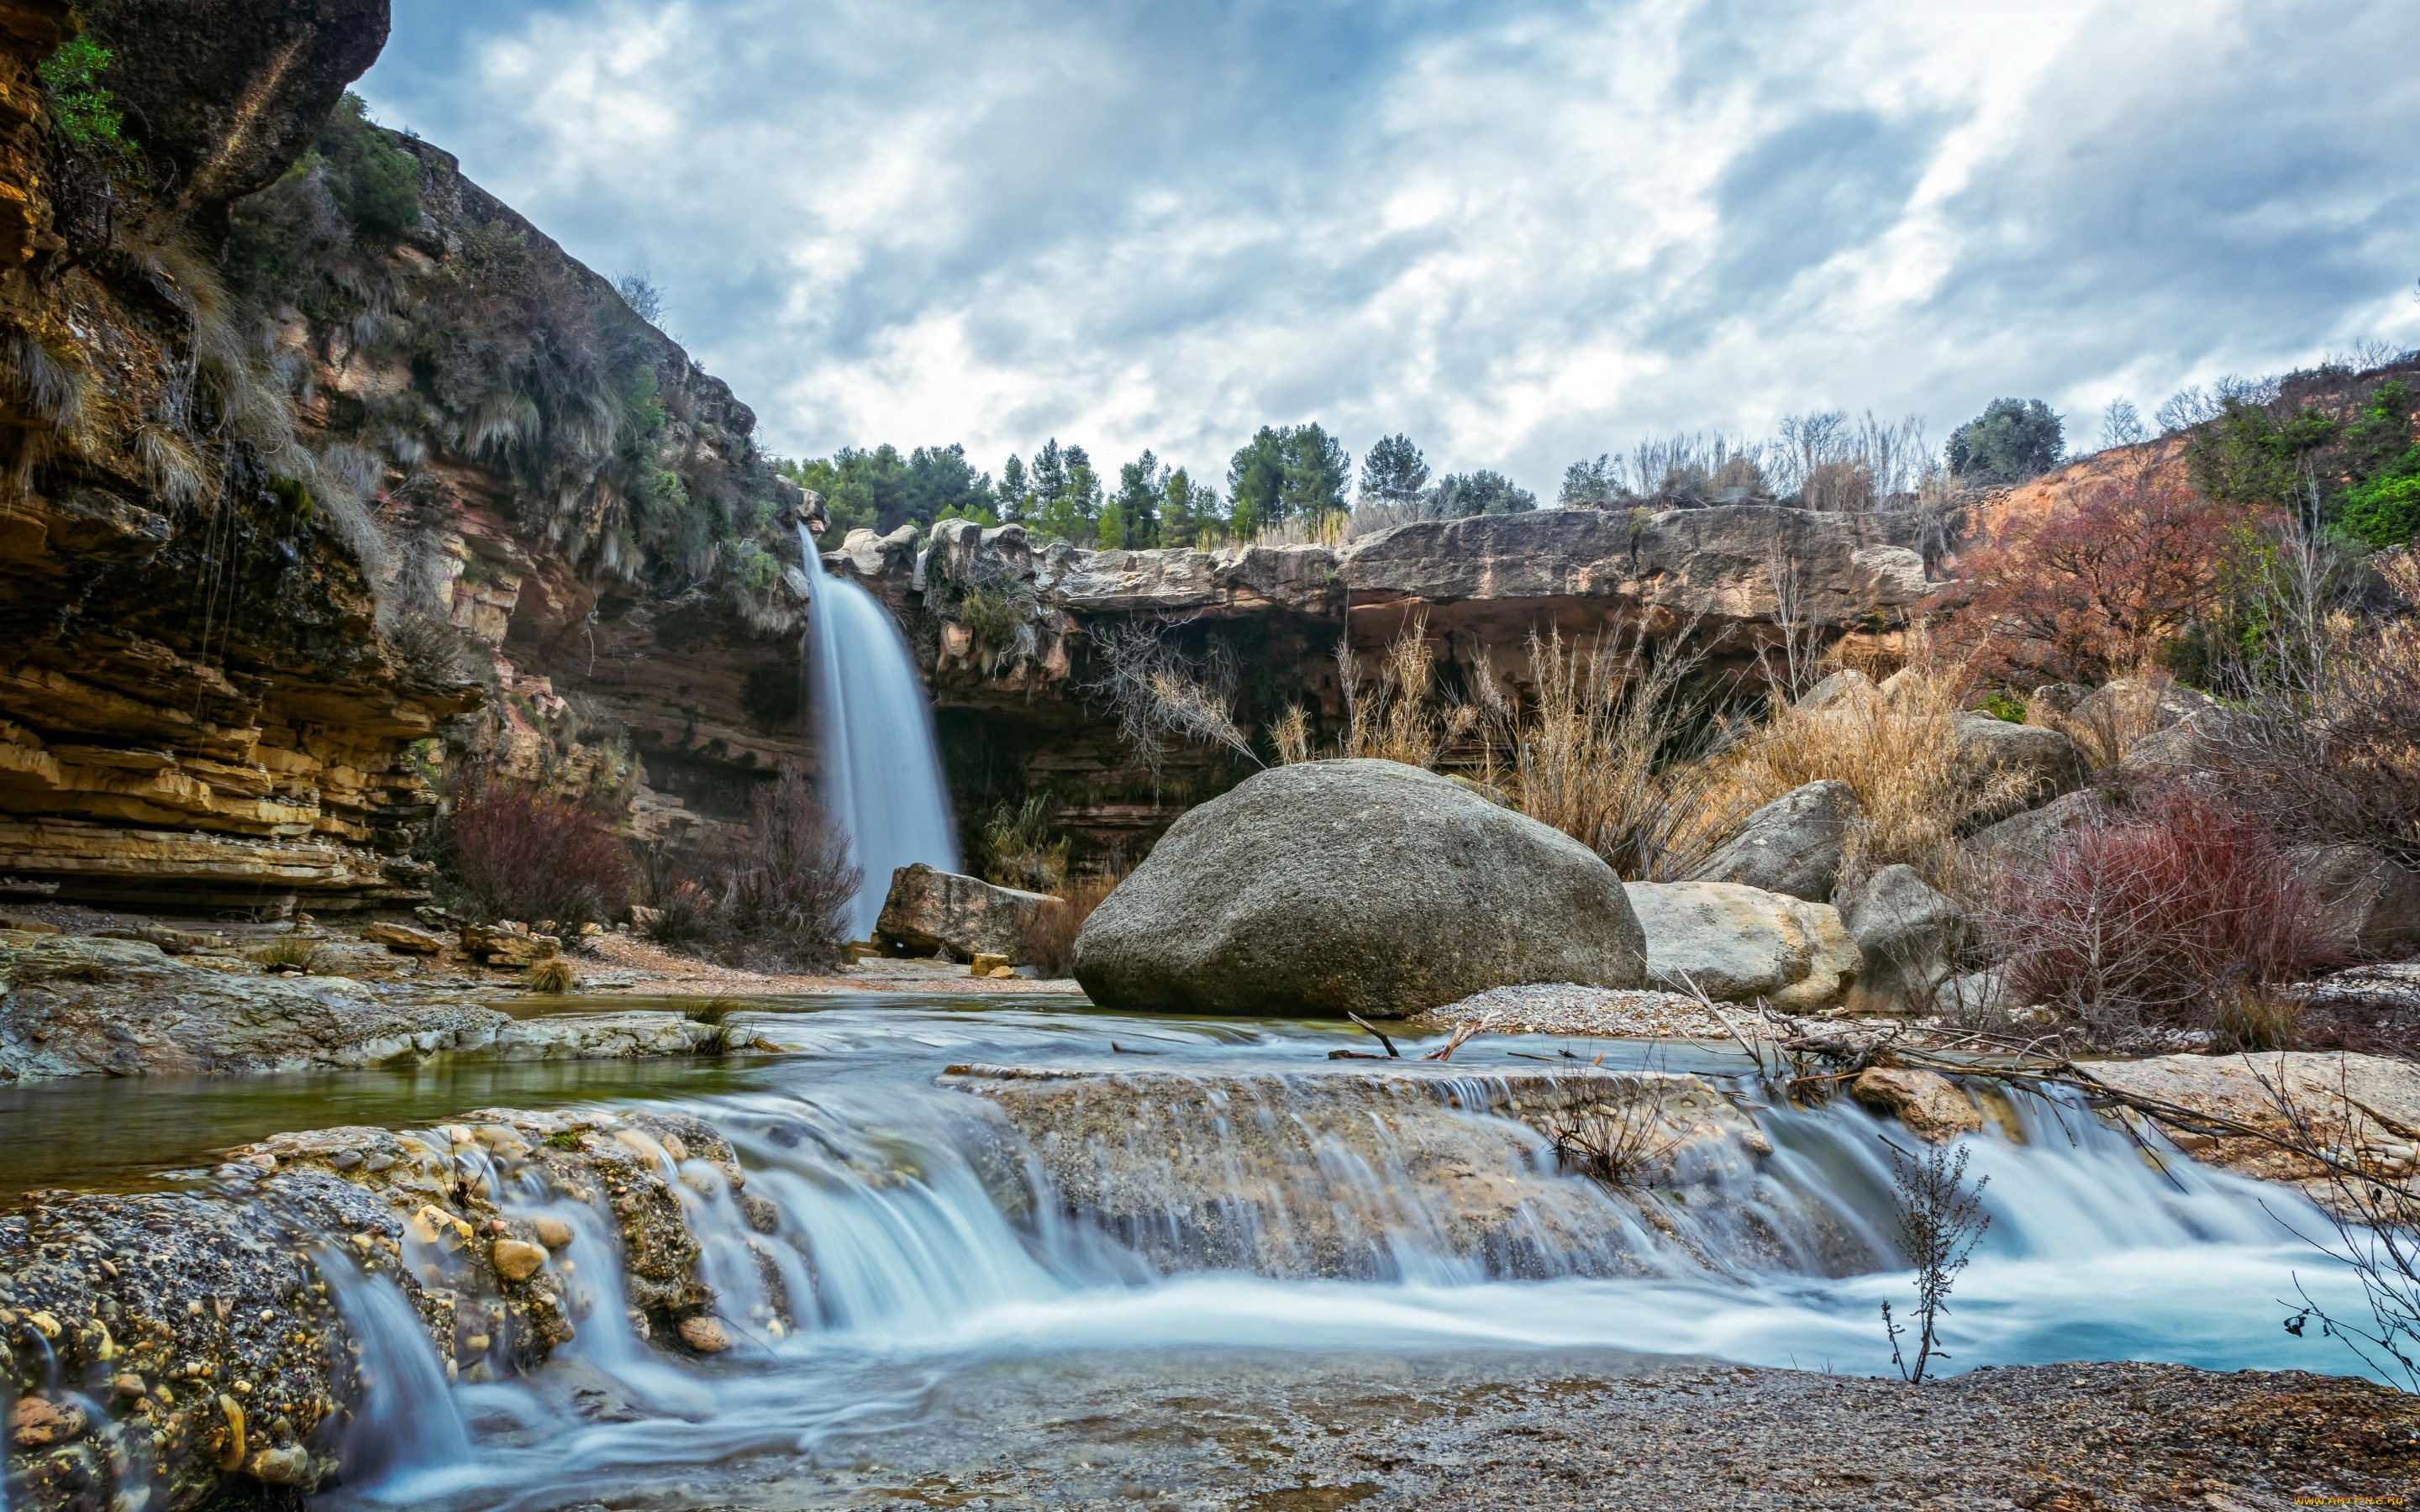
516	1261
552	1232
704	1335
1569	1008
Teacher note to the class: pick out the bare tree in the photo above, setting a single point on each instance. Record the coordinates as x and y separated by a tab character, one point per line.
1159	692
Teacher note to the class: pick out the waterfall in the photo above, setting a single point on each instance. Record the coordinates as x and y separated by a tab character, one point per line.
879	767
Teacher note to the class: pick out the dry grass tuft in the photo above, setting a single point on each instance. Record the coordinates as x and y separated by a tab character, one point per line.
1050	939
1897	749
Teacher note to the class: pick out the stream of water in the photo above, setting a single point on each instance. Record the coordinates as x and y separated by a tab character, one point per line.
928	1237
878	766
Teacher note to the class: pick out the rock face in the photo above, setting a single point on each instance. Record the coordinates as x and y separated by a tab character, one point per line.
966	917
1355	886
2370	907
82	1007
1908	937
1743	945
1793	845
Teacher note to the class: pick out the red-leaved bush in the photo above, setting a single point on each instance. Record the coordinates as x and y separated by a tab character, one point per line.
2097	588
524	854
2166	916
773	896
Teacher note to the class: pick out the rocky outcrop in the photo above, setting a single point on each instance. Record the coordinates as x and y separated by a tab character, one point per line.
933	912
1126	1152
2367	1108
1743	945
224	1337
1353	887
75	1006
1794	845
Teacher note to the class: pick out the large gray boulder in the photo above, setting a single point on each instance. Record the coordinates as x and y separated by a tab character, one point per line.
1908	935
2368	906
1793	845
1359	886
950	914
2042	763
1744	945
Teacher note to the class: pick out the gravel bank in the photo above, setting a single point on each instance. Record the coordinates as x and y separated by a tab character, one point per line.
1568	1008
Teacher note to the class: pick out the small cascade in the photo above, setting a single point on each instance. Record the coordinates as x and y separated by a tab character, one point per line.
883	1222
879	767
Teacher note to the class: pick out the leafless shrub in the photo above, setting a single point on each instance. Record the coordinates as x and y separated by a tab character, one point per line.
2376	1219
1160	693
2179	914
1940	1219
1613	1131
1050	936
2321	736
1402	718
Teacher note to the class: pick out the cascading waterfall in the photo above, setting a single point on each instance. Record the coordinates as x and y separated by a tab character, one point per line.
922	1231
880	768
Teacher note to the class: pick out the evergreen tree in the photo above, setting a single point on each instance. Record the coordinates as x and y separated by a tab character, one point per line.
1592	484
1015	498
1460	495
1181	515
2011	440
1111	536
1287	471
1141	483
941	484
1049	478
1394	472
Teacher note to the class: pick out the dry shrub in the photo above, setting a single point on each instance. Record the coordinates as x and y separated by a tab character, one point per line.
1618	1135
521	852
1898	752
2320	738
1402	718
1050	938
553	976
2178	915
1019	850
775	896
1603	752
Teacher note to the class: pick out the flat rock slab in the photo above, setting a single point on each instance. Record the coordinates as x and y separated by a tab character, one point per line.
77	1006
2369	1104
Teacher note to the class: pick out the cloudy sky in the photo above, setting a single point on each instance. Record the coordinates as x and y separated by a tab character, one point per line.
1522	232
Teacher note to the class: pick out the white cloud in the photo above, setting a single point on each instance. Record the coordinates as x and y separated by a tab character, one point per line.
1520	233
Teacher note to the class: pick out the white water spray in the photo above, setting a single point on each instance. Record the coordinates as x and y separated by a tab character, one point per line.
880	768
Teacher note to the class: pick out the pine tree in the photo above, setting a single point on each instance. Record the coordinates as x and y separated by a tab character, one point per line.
1394	472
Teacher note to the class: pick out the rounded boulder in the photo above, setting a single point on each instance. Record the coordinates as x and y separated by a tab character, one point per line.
1361	886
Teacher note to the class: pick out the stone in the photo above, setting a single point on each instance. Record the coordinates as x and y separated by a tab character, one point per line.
2368	908
1844	684
1908	936
2043	765
2368	1106
516	1261
403	939
2057	697
936	911
985	963
1002	973
1926	1102
1362	886
2023	838
502	946
25	925
1743	945
36	1423
1793	845
552	1232
283	1465
705	1335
